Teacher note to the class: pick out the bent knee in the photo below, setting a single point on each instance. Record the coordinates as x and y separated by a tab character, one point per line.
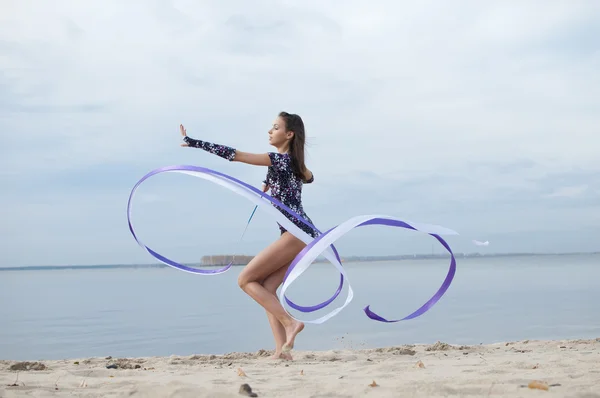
244	279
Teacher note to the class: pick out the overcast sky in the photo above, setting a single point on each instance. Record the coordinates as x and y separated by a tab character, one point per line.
479	116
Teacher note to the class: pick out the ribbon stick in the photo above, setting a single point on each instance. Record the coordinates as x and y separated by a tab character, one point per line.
323	244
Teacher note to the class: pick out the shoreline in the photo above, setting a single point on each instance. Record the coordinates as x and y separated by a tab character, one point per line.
566	367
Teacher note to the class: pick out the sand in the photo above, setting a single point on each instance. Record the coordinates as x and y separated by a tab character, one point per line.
566	368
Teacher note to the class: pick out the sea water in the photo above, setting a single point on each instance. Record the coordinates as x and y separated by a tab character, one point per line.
56	314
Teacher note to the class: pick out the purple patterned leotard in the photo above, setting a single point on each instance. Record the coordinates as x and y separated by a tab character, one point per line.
284	184
287	188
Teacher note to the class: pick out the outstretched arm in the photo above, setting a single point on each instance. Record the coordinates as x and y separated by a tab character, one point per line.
231	154
256	159
234	155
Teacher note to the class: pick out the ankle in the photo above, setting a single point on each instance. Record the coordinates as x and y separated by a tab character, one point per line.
289	322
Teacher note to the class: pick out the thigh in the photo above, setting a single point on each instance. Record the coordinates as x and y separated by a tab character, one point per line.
274	257
272	282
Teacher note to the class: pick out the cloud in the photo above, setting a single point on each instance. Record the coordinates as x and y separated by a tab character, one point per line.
470	116
569	192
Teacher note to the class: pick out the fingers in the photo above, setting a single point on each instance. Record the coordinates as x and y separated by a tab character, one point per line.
182	129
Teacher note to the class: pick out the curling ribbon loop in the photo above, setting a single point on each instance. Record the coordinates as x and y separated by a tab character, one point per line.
323	244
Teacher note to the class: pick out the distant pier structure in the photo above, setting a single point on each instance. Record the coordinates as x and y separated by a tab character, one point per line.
224	259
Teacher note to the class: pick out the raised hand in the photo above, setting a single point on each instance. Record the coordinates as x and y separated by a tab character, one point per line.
183	134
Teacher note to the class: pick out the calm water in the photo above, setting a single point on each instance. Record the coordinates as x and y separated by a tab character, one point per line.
146	312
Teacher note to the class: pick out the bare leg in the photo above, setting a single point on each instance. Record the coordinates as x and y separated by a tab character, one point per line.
273	282
275	256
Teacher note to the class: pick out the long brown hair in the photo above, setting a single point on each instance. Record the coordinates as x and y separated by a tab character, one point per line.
294	123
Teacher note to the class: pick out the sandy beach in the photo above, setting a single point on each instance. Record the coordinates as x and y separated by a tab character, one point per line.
569	368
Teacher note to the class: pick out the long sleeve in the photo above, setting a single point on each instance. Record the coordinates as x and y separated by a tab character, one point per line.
223	151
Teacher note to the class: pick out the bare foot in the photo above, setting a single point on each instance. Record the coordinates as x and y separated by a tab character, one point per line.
291	331
286	356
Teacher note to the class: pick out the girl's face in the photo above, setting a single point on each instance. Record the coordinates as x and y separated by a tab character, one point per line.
277	135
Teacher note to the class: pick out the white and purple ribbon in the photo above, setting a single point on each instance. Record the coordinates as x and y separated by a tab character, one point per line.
323	244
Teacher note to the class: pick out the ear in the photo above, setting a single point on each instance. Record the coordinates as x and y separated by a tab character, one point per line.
289	135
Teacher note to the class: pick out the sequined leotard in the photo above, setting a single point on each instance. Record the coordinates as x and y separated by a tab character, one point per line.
284	184
287	188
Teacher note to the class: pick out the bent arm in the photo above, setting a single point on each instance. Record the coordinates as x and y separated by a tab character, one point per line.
308	176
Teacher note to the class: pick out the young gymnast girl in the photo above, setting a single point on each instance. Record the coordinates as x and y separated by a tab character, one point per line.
286	174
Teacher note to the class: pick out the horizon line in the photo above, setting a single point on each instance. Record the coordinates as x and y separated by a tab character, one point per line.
356	258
